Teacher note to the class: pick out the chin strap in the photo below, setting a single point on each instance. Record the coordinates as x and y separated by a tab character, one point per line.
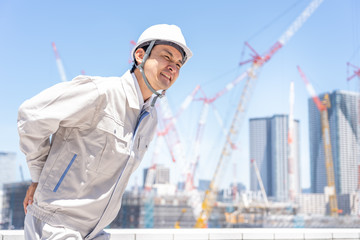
162	94
141	68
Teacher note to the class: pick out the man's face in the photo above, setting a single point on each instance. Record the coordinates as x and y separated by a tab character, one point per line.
163	66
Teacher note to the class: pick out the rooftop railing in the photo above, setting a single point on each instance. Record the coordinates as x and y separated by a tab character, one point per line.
218	234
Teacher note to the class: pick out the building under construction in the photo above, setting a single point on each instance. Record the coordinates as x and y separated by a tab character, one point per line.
344	124
151	211
12	201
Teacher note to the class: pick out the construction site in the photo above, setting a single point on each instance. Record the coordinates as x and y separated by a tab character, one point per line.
212	208
275	198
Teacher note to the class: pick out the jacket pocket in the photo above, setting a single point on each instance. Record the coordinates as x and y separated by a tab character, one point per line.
116	129
59	176
116	149
64	173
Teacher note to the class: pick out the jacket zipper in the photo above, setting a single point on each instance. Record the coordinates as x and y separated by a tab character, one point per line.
142	115
64	173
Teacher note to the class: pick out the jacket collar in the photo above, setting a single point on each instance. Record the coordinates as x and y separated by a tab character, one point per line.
131	92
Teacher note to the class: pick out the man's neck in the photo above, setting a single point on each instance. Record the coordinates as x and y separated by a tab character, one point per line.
145	91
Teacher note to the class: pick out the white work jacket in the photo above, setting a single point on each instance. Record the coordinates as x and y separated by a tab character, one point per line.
98	135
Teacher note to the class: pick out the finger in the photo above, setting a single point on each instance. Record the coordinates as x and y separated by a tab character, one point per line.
29	196
25	203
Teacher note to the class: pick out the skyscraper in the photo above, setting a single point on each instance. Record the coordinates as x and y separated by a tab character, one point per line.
269	148
8	167
260	151
161	175
7	175
344	118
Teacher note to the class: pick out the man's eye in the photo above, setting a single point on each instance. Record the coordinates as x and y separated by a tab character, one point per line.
167	57
178	66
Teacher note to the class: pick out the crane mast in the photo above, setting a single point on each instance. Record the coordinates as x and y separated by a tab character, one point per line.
201	125
251	75
292	166
263	192
323	106
328	157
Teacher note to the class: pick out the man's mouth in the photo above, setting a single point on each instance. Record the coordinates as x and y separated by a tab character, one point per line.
166	75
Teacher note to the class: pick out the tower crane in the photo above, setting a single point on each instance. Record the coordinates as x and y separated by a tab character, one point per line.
263	192
131	45
292	166
194	160
168	124
168	131
251	75
323	106
59	63
177	223
355	73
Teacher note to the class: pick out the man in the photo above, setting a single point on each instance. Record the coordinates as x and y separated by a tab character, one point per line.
83	139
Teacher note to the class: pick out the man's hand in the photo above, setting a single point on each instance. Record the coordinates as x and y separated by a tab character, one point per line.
29	198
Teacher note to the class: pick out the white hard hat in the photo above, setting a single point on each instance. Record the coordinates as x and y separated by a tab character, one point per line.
164	33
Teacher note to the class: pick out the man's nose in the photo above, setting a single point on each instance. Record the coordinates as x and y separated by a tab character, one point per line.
172	67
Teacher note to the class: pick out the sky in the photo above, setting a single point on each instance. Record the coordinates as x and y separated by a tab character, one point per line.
94	37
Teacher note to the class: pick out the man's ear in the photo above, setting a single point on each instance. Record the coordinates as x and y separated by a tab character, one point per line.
139	55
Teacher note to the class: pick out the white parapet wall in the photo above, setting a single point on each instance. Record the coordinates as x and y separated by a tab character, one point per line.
218	234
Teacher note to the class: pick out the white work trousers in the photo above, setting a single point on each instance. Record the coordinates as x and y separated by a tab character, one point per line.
35	229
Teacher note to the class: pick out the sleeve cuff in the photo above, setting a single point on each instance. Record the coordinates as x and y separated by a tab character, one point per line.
35	174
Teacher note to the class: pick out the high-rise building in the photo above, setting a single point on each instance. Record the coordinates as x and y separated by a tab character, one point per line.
269	148
12	210
260	151
8	167
312	204
344	118
145	175
7	174
162	175
204	185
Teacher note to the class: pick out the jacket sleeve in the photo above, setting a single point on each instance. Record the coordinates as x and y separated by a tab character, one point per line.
67	104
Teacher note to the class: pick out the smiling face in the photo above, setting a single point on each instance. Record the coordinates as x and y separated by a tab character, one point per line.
162	67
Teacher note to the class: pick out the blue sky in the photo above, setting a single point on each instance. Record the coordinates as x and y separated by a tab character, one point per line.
94	37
